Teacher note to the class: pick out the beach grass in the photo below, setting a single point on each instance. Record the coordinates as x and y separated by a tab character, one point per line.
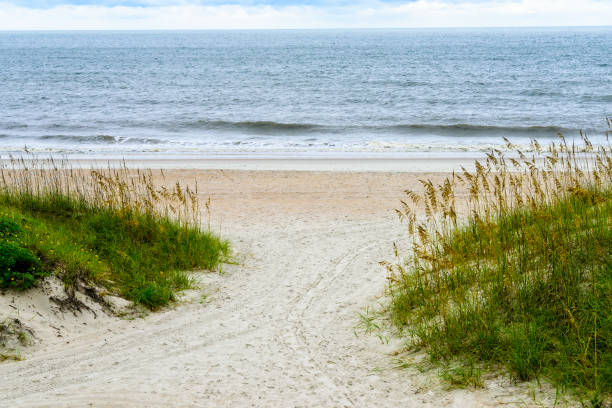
111	227
523	283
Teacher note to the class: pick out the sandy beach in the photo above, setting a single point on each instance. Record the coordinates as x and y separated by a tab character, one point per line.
300	125
279	328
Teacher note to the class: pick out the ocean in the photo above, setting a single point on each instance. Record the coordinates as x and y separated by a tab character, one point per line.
301	92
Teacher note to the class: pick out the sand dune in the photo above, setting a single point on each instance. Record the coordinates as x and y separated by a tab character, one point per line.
276	329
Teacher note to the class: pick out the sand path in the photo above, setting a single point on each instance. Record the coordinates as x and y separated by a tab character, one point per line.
276	330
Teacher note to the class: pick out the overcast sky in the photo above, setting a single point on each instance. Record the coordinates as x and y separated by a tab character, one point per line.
211	14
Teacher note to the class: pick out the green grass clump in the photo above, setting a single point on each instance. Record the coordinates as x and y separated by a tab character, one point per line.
465	375
526	281
102	227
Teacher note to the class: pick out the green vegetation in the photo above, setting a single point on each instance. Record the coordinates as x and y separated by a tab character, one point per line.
13	357
112	227
525	282
19	267
467	374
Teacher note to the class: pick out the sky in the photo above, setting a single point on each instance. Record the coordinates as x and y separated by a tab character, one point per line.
266	14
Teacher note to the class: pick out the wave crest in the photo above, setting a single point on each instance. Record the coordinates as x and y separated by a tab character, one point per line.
249	126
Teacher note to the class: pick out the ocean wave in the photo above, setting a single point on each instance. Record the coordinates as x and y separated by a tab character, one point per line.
597	98
228	147
13	125
99	139
248	126
68	127
457	129
383	146
290	136
463	129
163	130
79	138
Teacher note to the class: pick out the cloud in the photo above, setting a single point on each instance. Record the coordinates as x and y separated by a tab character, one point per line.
183	14
46	4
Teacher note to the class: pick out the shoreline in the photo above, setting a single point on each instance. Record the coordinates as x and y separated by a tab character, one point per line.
311	164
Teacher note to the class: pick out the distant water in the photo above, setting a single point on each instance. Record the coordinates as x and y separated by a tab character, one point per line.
97	93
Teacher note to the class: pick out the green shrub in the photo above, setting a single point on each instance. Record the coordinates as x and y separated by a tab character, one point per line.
19	268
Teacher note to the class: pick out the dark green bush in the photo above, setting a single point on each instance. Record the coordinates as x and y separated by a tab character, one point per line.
19	268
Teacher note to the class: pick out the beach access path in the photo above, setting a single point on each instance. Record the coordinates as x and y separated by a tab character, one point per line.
280	328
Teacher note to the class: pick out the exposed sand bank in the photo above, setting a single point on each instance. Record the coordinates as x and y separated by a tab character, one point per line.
278	329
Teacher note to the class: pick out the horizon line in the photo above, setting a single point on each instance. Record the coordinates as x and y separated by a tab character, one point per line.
304	28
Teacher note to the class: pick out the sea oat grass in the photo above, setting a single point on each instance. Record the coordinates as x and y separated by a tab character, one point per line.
524	281
111	227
